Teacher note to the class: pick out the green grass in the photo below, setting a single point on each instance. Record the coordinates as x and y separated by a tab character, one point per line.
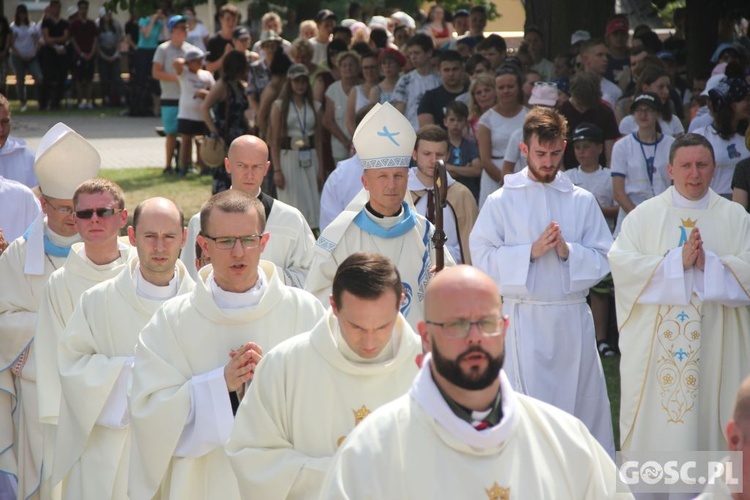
142	183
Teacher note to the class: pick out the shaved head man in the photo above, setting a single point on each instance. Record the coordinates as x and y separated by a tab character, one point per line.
96	354
461	428
158	233
290	238
247	163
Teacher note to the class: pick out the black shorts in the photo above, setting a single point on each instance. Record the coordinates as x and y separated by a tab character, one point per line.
191	127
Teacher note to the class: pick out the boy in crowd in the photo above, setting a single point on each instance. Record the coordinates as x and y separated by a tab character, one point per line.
431	110
463	155
412	86
194	85
588	142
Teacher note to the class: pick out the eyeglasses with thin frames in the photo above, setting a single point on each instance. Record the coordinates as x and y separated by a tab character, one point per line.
228	242
60	210
460	328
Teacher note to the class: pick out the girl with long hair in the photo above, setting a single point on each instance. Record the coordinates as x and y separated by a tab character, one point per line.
496	126
439	29
227	102
295	145
730	104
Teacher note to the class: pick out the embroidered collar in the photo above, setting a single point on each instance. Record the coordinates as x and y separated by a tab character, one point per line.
368	225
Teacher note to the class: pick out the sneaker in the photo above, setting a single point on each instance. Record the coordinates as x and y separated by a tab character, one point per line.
24	108
605	350
81	105
90	105
167	170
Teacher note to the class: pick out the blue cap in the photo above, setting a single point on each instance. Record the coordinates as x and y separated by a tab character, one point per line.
174	20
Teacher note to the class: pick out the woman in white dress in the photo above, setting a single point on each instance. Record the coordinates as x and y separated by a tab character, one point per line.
295	145
337	95
496	126
359	96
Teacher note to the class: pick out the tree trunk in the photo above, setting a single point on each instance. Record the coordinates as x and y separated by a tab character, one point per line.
701	32
558	19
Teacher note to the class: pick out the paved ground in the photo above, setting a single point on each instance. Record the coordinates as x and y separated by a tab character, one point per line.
122	141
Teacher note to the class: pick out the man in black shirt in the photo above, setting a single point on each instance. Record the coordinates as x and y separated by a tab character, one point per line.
221	42
431	108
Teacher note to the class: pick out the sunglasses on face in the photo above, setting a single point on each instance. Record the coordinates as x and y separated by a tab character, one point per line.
102	213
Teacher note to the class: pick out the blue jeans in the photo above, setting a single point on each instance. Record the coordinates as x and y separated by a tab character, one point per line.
21	68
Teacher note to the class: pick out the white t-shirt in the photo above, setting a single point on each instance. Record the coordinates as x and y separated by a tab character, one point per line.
611	93
25	38
190	83
197	35
320	52
410	89
513	151
628	125
598	183
629	160
336	94
702	118
501	129
165	55
728	154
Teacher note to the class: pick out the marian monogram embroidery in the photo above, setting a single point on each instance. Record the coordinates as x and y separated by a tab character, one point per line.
678	348
359	416
497	492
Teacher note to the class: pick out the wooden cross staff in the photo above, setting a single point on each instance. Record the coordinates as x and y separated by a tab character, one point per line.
440	187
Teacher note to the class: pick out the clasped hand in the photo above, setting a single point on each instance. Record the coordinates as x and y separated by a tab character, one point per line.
550	238
241	368
693	253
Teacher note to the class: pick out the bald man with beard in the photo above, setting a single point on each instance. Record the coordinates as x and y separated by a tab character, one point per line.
462	431
96	353
291	240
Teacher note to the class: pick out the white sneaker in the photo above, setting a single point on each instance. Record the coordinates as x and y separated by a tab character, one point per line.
24	108
81	105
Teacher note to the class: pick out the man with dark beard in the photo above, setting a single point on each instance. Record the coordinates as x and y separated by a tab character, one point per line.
544	242
462	431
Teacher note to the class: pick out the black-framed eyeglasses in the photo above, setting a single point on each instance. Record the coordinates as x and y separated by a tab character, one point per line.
60	210
102	213
459	329
228	242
